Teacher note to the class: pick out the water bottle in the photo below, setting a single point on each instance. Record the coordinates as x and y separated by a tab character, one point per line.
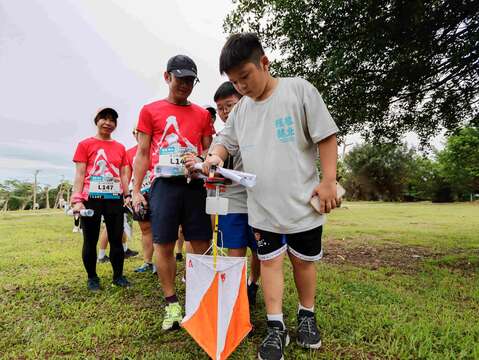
83	212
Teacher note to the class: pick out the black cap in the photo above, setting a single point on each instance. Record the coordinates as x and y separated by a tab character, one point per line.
102	112
181	66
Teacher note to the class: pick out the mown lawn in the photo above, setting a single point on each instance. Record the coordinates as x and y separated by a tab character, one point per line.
398	281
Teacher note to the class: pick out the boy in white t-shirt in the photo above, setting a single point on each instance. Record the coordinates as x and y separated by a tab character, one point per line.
278	127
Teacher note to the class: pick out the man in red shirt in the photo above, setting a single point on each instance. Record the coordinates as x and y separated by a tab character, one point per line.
168	130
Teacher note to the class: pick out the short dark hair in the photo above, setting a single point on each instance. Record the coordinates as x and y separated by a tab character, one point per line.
212	112
106	113
226	90
240	48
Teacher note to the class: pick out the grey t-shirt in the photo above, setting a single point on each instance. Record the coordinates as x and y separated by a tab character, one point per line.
277	139
235	193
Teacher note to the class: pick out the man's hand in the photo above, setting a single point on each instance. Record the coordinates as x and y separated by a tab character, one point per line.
326	191
77	207
137	199
127	200
209	161
190	159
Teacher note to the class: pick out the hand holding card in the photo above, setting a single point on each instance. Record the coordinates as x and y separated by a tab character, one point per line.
316	203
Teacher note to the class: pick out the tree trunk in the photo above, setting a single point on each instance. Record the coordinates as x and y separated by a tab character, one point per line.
59	196
25	203
48	198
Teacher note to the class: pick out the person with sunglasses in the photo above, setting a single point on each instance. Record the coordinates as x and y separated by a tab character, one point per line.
169	130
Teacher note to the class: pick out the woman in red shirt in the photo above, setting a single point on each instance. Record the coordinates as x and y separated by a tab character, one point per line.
101	184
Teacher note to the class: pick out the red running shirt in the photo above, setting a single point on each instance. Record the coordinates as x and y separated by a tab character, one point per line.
130	156
172	125
102	157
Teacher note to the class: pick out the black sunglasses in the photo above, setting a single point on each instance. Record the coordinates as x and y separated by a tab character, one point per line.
187	79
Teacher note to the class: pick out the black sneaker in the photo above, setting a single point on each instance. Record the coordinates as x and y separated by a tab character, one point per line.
308	332
121	282
104	259
277	338
179	257
130	253
252	290
93	284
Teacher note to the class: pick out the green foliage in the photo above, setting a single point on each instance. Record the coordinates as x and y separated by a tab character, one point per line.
395	172
422	179
17	194
341	170
378	172
459	162
384	67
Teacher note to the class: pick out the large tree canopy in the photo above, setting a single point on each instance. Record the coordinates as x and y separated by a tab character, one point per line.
384	67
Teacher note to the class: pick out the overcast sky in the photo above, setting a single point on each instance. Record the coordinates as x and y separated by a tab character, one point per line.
60	60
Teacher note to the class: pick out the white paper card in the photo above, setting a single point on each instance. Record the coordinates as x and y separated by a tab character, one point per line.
216	205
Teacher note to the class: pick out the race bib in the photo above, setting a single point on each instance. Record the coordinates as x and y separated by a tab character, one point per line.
105	187
170	161
145	185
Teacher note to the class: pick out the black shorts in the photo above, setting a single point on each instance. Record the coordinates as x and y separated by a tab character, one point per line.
174	202
147	215
304	245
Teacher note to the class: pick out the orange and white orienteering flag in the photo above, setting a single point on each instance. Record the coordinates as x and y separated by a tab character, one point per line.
217	310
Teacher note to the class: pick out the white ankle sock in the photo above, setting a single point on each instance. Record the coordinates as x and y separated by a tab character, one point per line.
301	307
101	253
276	317
125	246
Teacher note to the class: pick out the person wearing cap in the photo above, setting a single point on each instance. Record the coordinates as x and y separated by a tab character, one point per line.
101	184
169	129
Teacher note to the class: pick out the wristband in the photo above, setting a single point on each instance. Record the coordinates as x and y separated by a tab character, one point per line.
127	196
201	158
77	197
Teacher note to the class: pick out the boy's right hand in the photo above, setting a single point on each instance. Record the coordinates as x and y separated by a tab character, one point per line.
209	161
327	193
137	199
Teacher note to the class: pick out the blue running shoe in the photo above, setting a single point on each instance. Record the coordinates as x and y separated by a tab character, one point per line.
144	268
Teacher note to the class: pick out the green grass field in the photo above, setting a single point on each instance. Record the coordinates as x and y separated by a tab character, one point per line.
398	281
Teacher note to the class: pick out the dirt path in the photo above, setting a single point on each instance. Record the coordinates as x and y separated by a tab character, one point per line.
406	259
